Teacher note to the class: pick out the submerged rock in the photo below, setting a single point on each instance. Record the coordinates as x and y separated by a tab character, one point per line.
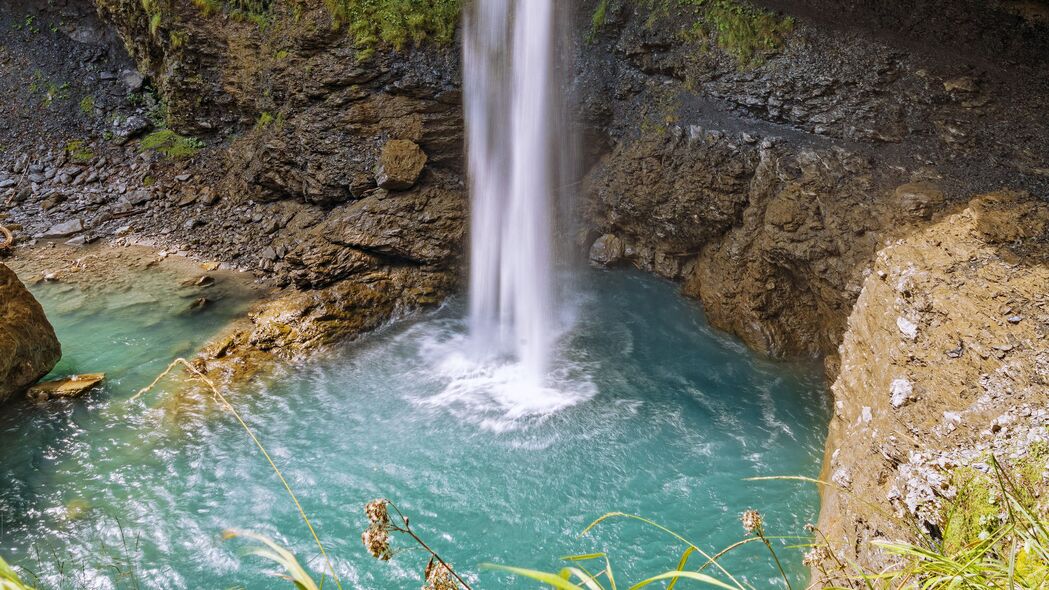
29	348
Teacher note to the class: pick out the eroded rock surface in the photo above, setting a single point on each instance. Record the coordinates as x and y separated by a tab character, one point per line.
945	363
29	348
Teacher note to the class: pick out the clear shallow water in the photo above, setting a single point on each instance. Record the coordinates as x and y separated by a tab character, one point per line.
652	413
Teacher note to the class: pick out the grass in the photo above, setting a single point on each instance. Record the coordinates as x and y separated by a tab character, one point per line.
9	580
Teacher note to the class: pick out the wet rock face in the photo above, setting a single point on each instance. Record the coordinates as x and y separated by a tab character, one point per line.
29	348
943	363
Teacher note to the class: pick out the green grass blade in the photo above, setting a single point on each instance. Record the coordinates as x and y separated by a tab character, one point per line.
674	575
545	577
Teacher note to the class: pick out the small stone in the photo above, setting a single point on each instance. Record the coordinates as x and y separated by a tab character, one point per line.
866	414
77	241
1015	319
139	197
900	392
907	327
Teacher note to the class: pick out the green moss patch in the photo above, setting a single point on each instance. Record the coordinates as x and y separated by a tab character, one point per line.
171	144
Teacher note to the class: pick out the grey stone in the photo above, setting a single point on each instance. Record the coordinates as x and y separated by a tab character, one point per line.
64	229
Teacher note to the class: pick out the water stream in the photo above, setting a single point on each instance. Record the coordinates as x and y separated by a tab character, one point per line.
657	414
512	107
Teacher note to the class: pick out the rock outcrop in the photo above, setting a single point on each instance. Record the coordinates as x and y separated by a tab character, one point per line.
944	365
766	180
29	348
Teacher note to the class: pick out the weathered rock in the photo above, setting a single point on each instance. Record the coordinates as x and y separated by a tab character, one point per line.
29	348
919	200
400	163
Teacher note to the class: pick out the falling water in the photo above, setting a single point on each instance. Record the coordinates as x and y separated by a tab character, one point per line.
511	109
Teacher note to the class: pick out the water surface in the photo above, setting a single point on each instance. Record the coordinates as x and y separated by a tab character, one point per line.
651	412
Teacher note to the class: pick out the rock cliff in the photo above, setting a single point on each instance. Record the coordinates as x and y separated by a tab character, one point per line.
29	348
944	368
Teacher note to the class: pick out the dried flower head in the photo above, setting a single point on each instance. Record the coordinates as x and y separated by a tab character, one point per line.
752	521
377	512
377	540
439	577
816	556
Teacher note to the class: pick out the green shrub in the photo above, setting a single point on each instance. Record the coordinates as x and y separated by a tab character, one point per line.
171	144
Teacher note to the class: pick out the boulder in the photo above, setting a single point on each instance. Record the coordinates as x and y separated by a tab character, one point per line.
400	164
606	250
29	348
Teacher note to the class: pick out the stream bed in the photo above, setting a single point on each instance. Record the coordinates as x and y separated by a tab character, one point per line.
650	412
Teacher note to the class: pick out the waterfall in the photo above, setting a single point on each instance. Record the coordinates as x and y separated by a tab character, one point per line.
511	109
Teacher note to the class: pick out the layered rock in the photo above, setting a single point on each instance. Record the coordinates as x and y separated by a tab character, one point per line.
944	366
29	348
767	185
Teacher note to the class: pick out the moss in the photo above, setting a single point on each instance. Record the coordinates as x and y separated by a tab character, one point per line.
87	105
171	144
397	23
597	21
79	152
267	118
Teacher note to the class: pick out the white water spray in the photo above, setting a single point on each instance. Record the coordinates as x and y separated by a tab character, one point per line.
511	109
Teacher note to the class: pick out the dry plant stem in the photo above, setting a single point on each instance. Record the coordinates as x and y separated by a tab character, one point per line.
761	535
408	531
262	449
834	556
